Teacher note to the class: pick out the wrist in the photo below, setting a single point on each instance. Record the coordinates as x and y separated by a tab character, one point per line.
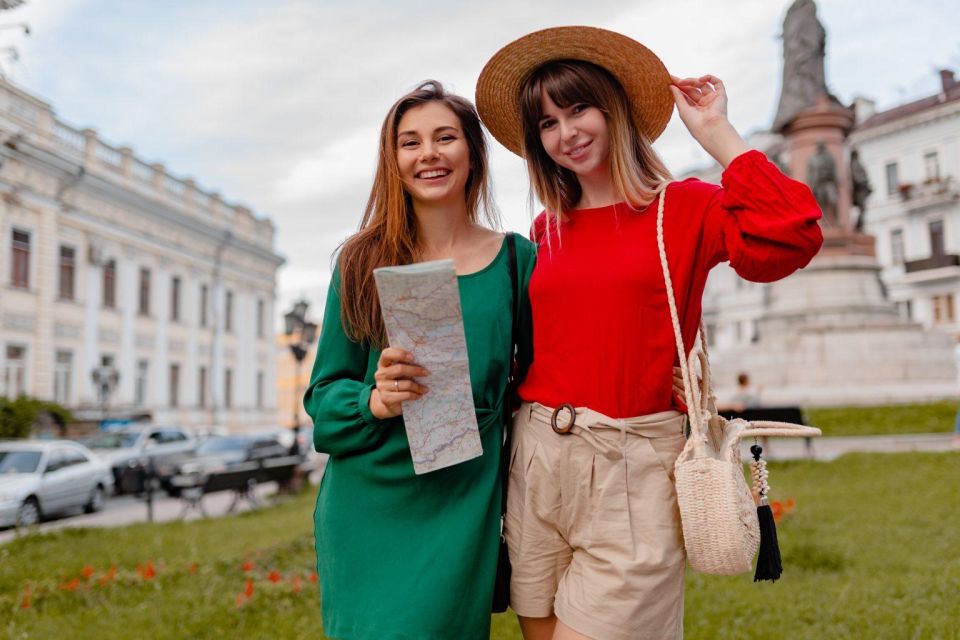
377	408
722	141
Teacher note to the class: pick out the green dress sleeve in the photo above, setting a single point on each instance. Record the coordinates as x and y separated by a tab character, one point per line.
338	395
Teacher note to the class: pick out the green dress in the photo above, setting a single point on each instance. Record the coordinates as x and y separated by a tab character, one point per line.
402	556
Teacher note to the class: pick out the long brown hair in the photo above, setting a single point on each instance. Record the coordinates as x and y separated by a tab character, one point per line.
388	233
636	169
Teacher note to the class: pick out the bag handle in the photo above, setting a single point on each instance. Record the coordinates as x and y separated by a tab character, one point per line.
694	408
701	401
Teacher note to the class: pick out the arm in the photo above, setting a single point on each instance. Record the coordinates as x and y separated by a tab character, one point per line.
338	395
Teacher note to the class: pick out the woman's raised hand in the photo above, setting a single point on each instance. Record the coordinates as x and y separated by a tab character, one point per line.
395	383
702	105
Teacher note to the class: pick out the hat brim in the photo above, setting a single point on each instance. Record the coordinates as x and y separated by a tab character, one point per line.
643	75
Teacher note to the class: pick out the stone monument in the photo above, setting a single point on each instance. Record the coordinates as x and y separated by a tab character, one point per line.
829	334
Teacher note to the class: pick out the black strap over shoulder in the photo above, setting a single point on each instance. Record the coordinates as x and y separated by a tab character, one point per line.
508	400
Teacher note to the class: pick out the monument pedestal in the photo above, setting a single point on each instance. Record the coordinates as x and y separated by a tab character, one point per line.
831	336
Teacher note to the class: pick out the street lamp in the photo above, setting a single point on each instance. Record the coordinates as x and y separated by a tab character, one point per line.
105	378
302	333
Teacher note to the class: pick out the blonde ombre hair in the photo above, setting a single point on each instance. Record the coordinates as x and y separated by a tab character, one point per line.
637	171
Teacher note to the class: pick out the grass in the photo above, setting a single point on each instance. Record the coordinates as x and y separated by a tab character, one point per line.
934	417
871	550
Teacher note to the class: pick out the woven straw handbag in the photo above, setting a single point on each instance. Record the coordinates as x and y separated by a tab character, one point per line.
718	511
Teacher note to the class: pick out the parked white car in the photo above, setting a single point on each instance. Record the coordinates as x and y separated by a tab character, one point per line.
39	478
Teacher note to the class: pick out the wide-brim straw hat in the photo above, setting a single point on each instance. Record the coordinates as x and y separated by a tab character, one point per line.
642	74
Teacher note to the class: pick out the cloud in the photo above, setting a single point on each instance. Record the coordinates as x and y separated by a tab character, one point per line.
278	105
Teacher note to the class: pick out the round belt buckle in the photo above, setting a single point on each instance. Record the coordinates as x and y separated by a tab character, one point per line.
573	418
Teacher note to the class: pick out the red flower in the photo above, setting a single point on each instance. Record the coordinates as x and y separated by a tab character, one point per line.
86	572
147	571
789	504
777	509
274	577
241	600
297	584
27	593
247	566
193	568
313	577
70	586
248	591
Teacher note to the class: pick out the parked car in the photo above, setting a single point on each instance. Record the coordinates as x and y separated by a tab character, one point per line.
41	478
219	453
140	444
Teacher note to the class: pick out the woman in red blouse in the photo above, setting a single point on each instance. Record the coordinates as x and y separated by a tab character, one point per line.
593	525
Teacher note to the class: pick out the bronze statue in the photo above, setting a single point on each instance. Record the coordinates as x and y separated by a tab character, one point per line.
859	187
822	180
804	47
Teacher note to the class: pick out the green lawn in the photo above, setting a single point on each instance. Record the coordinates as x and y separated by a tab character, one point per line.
934	417
871	550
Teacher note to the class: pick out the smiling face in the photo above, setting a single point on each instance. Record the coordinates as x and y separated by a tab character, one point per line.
433	156
575	137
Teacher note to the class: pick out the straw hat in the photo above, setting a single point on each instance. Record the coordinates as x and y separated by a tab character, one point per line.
643	76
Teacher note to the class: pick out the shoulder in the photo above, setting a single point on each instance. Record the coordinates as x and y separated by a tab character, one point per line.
526	251
538	228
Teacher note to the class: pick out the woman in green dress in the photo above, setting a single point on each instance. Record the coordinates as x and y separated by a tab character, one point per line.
402	556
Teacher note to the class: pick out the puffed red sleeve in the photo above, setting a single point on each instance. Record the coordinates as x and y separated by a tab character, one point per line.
763	222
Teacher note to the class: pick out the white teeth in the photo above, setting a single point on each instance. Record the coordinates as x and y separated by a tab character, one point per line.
436	173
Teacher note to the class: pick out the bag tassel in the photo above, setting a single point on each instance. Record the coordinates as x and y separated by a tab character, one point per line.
769	566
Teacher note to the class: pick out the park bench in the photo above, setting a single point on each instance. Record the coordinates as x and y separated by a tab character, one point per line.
242	479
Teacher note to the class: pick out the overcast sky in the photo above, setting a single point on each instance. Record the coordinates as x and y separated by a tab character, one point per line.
277	105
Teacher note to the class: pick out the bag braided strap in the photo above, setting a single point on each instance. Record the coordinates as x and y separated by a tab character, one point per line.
717	510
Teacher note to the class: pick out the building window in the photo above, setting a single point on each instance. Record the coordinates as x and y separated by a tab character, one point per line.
68	269
62	374
228	312
144	305
227	388
110	284
15	371
893	180
174	385
175	299
140	384
259	389
204	295
202	387
931	166
261	307
896	246
943	309
20	259
936	238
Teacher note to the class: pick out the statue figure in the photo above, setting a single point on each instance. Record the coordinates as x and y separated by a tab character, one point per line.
859	187
804	47
822	180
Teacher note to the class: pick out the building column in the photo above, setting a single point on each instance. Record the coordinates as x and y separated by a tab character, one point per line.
91	354
160	303
127	287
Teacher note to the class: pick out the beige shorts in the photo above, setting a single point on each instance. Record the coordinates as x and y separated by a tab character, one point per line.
593	526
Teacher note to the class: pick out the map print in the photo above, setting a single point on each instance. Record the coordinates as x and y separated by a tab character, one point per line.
422	314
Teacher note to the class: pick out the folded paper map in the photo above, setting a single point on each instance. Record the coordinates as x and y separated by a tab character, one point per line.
422	314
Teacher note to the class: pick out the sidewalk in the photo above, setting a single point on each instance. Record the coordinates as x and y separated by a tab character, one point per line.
829	448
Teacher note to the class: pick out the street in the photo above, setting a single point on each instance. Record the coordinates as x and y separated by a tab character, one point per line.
123	510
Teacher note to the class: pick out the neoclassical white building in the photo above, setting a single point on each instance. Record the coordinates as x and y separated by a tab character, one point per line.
912	157
109	260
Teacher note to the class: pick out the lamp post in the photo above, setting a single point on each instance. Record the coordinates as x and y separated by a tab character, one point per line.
301	333
105	378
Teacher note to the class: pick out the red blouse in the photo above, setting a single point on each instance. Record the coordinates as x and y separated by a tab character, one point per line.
602	336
